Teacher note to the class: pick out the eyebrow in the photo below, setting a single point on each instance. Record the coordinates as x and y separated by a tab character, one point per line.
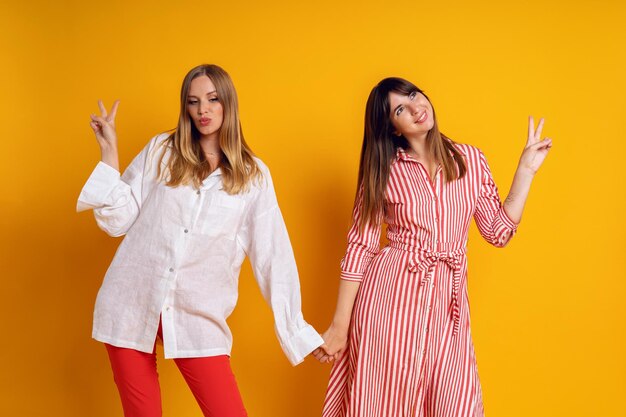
210	92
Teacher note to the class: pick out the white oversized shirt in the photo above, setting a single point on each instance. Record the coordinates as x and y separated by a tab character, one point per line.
181	257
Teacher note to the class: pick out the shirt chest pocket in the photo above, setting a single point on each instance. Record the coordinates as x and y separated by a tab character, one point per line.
222	217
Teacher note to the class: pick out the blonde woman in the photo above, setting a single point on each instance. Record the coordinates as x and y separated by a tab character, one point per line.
191	205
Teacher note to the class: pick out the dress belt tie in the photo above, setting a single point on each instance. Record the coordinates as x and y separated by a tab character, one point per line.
422	260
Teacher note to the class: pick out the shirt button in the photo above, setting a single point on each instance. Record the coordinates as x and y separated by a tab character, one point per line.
167	308
186	231
198	192
426	331
171	269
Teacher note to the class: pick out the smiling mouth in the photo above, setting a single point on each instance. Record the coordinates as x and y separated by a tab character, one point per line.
422	118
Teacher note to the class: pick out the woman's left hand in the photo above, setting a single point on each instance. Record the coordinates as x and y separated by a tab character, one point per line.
536	149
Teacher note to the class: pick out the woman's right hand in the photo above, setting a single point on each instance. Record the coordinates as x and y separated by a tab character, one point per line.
335	344
104	128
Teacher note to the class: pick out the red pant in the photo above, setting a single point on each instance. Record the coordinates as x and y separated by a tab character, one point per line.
210	379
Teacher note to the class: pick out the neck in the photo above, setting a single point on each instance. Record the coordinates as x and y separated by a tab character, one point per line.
419	147
210	144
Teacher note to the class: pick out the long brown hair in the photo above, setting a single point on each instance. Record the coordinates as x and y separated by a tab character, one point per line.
380	146
187	163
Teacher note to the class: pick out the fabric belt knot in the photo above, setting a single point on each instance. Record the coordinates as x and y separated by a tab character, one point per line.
422	260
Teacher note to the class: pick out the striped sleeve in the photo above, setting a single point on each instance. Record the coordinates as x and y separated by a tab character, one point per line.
492	221
363	245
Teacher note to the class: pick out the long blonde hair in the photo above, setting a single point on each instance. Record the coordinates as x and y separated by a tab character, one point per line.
187	163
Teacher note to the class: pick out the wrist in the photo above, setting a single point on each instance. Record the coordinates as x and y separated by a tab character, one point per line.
110	158
525	173
340	325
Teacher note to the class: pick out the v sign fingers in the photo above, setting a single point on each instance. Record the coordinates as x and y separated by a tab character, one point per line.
534	135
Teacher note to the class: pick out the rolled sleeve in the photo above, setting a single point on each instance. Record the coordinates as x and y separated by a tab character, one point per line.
363	244
493	223
98	188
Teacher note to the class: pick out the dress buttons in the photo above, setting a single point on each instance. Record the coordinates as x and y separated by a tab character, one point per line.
171	269
198	192
186	231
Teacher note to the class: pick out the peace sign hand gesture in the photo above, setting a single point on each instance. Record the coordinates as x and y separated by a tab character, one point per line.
536	150
104	128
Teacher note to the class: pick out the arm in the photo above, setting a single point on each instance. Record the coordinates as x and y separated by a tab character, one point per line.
362	247
265	239
498	222
114	199
531	160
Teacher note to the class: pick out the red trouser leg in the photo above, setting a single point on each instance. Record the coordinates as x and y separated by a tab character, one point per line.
213	384
135	374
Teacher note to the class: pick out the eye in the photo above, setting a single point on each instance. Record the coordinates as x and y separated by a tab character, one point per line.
412	95
192	102
214	100
400	110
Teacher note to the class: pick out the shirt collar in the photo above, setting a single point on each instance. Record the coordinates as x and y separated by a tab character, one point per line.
403	155
213	178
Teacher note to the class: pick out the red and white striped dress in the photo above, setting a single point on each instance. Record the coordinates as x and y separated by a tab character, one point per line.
410	351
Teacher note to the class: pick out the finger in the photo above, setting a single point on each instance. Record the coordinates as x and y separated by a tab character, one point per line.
540	145
114	110
103	110
95	126
539	129
326	349
531	129
99	120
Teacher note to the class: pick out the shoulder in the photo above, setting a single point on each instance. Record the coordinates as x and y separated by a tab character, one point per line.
158	141
472	154
265	170
263	181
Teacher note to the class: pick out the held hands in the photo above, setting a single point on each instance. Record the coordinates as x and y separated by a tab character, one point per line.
335	344
104	128
536	150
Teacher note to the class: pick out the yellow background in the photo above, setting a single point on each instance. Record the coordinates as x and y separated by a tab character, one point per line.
548	311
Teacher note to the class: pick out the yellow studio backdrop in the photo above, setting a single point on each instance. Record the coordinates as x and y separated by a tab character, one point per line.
547	312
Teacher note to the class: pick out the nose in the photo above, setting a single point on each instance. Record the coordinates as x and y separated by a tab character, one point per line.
413	108
203	107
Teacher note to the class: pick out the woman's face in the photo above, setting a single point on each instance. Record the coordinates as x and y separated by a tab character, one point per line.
204	107
411	115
